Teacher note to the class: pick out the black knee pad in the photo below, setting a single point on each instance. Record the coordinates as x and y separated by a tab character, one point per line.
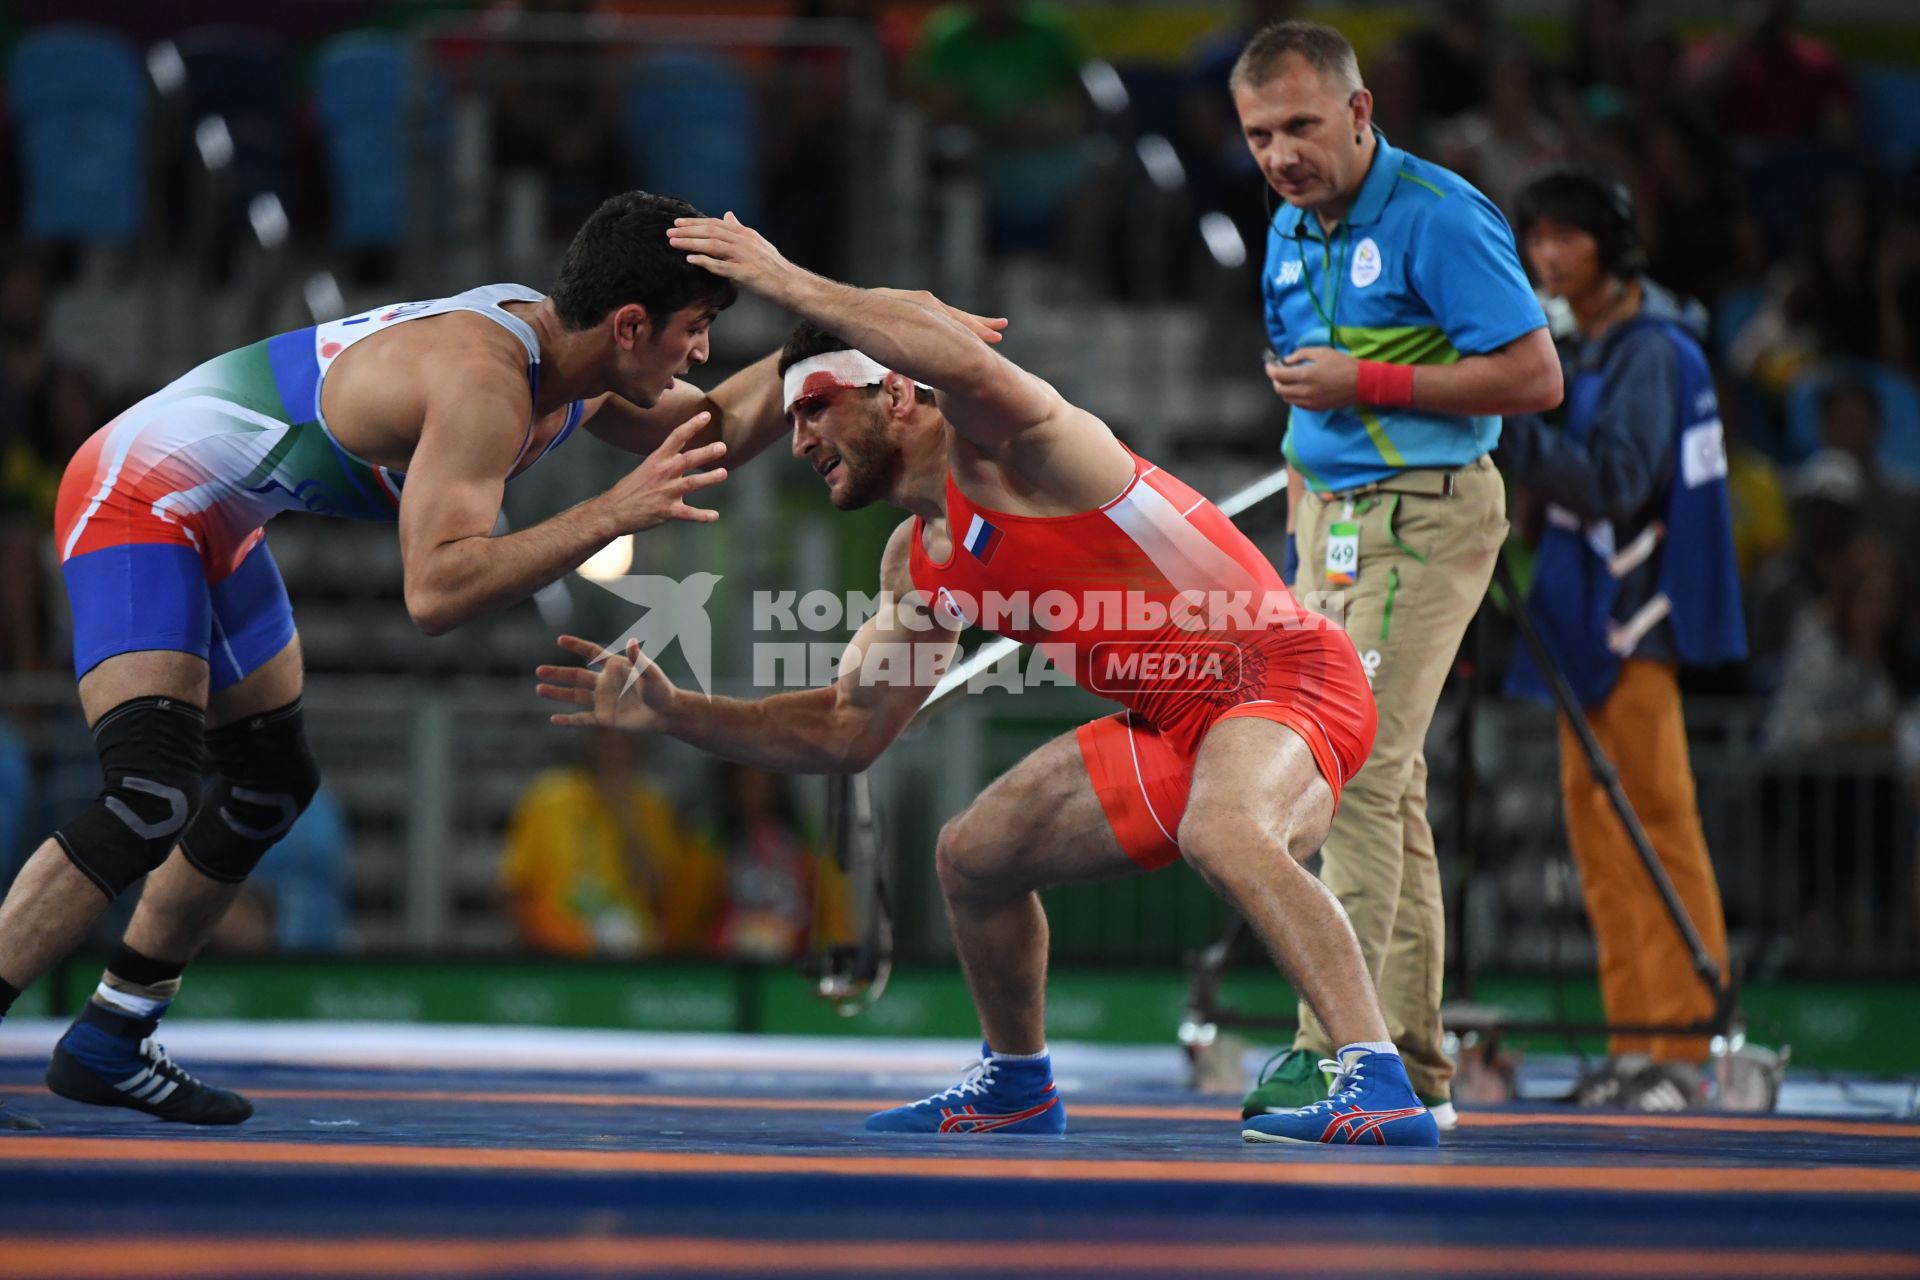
150	753
264	779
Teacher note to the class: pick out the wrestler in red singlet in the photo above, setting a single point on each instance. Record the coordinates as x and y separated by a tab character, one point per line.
1159	542
1244	716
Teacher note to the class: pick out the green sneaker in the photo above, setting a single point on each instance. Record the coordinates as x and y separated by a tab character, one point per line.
1291	1078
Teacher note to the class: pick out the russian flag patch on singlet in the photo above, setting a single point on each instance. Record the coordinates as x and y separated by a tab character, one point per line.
982	540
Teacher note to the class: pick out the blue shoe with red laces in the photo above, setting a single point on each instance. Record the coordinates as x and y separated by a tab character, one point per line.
1371	1103
997	1096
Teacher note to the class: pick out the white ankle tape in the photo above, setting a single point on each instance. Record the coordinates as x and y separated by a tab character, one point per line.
128	1003
1019	1057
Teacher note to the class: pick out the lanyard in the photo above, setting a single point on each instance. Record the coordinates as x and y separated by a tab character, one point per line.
1327	312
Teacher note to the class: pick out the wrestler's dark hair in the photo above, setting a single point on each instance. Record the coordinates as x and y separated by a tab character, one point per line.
620	255
809	339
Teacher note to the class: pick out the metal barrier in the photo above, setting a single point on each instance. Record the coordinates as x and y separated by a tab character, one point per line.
1816	854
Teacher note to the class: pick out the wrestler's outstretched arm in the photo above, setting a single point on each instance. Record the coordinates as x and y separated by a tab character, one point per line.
889	667
745	414
988	398
454	568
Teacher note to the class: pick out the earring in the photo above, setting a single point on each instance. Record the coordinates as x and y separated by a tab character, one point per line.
1356	139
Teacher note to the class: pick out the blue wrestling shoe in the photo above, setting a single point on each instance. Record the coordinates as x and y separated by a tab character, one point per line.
998	1096
111	1060
16	1121
1371	1102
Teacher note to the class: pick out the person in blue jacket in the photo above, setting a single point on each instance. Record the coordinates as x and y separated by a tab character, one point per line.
1636	576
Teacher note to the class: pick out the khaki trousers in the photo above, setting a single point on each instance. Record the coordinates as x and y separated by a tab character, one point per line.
1424	564
1646	972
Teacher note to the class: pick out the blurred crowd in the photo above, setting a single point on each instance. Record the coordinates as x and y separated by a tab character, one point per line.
599	860
1777	185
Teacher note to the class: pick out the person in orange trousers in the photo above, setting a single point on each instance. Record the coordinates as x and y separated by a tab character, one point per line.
1636	576
1646	971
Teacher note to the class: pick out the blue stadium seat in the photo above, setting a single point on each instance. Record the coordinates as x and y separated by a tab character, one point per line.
360	98
691	129
1899	411
79	99
16	796
1890	112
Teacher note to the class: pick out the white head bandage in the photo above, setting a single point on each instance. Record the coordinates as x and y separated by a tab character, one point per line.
830	371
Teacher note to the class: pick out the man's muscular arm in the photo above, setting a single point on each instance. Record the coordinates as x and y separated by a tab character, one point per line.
476	421
746	414
988	398
890	667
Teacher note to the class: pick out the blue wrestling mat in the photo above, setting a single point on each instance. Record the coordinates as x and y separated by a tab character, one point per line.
409	1151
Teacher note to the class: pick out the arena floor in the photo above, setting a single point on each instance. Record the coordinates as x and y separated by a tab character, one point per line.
419	1152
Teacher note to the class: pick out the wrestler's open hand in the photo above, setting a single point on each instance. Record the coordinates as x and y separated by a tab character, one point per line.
657	490
729	247
986	328
628	692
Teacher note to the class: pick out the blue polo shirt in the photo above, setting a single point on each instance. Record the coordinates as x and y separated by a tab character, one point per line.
1422	270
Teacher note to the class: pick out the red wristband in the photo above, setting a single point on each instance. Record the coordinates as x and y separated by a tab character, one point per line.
1384	384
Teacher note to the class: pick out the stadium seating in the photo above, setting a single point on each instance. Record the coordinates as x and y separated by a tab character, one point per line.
1899	410
360	100
690	127
79	99
1890	106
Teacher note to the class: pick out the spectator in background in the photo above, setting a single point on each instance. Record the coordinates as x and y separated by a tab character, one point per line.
1496	146
1656	80
1007	73
1636	575
1824	303
1768	83
1224	176
1837	685
1827	494
1898	273
598	862
1394	79
25	484
1852	421
1702	239
1840	690
47	408
1762	528
558	115
1600	63
769	866
1452	56
807	151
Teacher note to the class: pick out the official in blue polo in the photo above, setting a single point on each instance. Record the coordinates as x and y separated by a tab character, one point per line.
1402	328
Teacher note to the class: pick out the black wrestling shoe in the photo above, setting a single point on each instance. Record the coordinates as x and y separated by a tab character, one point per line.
110	1059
